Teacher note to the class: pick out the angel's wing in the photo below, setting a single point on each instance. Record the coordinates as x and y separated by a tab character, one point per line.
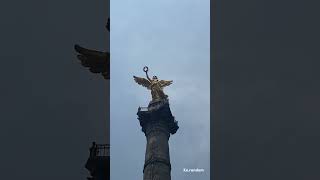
96	61
165	83
142	81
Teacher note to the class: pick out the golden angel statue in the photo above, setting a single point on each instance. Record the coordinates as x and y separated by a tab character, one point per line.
156	86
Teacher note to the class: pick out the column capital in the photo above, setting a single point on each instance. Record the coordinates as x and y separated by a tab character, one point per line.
160	118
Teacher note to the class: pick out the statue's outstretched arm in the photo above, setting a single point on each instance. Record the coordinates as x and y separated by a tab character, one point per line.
148	77
146	69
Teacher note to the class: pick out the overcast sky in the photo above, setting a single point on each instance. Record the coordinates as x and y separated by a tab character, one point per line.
172	38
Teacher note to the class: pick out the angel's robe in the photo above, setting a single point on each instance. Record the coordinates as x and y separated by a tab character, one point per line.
157	90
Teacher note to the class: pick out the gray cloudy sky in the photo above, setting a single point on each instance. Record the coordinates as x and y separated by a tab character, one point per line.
172	38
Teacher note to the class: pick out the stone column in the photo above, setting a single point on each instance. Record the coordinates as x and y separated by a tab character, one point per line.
157	124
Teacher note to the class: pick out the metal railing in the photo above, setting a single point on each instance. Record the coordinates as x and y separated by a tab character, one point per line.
143	109
154	106
100	150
